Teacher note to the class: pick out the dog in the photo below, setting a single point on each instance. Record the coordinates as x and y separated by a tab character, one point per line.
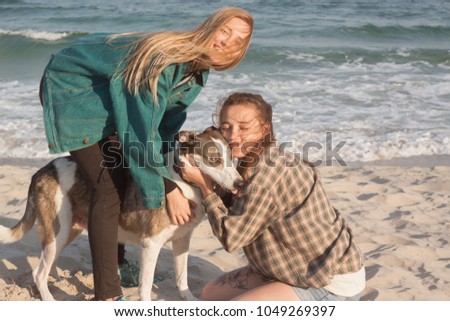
58	202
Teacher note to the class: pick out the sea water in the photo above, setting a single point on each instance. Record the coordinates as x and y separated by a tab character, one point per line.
372	75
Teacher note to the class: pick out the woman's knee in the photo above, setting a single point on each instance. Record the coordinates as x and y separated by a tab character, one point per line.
207	292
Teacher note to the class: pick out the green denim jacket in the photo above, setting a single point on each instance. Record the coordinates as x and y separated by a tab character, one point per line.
85	100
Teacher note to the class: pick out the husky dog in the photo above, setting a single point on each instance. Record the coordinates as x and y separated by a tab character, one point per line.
58	202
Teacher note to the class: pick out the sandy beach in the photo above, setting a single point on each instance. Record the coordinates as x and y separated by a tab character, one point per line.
400	216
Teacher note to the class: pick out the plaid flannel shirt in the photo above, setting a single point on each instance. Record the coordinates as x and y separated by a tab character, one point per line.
285	223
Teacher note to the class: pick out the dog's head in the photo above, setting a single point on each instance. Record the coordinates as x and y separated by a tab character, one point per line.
211	153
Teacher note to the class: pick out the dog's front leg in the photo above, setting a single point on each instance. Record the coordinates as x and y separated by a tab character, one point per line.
149	255
180	259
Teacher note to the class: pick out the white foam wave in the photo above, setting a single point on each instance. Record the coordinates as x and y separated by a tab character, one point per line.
384	116
359	146
34	34
403	52
310	58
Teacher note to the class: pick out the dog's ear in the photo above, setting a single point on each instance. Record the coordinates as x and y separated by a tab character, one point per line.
213	132
211	129
185	136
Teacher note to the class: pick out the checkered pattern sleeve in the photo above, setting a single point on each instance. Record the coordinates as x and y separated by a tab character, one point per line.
252	212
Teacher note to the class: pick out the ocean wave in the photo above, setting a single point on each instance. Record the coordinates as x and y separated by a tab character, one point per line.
36	34
384	116
371	31
338	56
358	146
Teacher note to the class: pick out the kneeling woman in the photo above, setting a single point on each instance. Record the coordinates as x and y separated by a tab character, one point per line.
298	246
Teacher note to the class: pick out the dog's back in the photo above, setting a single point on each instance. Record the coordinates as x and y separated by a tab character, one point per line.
42	205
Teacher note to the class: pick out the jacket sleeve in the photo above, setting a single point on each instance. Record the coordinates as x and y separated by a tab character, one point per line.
253	210
137	119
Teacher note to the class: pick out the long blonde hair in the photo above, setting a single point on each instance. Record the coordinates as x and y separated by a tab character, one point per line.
151	53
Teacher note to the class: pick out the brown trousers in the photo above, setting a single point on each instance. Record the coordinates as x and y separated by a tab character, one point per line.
105	174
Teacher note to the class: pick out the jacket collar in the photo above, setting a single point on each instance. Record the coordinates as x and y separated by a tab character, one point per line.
201	76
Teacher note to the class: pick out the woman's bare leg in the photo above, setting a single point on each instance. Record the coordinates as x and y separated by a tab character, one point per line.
232	284
274	291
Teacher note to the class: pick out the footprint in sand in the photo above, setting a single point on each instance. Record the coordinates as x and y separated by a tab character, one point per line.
396	215
370	294
338	176
379	180
14	202
372	270
400	200
365	197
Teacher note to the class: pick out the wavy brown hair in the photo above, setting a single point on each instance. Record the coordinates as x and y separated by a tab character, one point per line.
151	53
264	110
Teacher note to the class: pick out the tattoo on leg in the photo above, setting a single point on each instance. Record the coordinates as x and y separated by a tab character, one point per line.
236	279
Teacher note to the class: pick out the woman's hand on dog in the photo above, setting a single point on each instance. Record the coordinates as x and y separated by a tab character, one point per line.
193	174
179	207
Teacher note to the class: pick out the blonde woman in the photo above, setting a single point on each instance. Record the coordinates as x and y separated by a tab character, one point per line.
112	100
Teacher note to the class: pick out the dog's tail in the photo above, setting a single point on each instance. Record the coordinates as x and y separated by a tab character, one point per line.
17	232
